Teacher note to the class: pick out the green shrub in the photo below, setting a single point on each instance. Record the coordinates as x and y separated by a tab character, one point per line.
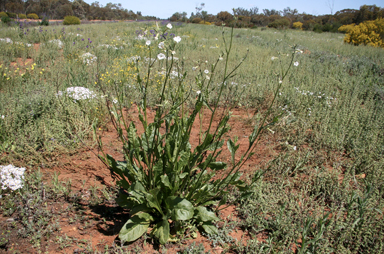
5	19
32	16
22	16
12	15
196	20
279	23
71	20
44	22
3	14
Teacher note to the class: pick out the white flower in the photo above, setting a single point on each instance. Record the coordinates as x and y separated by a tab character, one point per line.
161	56
296	64
207	77
57	42
7	40
273	58
173	52
220	58
294	148
78	93
198	92
280	81
148	43
206	71
2	116
195	68
114	101
88	58
11	177
169	26
174	74
161	45
177	39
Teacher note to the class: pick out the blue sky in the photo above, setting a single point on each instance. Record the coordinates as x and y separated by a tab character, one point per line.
165	8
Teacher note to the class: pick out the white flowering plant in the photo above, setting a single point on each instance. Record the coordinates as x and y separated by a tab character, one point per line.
168	185
11	178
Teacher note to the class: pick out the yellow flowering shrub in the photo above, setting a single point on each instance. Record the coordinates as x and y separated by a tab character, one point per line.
204	22
297	25
346	28
368	33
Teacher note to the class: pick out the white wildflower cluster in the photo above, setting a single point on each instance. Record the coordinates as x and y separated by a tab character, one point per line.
78	93
21	43
6	40
11	177
133	59
88	58
59	43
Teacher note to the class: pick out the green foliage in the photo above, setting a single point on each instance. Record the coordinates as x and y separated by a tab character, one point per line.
32	16
197	20
12	15
71	20
44	22
6	19
279	23
22	16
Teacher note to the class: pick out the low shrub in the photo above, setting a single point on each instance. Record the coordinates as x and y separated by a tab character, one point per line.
3	14
5	19
44	22
196	20
71	20
12	15
22	16
279	23
32	16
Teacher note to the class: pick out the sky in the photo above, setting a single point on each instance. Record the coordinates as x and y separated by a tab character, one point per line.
165	8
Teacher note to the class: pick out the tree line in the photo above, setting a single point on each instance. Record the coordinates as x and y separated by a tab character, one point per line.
239	17
287	18
58	9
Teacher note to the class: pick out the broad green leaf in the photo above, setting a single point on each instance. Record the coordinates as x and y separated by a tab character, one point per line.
202	214
181	209
181	176
165	181
152	200
217	165
161	231
135	227
139	208
209	228
124	201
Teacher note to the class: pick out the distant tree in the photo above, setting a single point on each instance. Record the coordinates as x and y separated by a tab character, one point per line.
224	16
268	12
